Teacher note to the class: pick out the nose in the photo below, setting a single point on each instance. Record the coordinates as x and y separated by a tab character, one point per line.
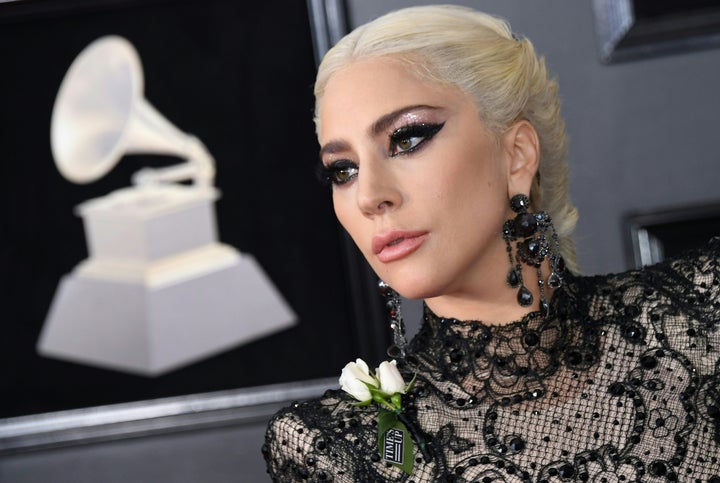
378	190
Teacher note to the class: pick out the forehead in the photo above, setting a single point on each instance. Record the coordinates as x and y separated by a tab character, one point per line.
361	92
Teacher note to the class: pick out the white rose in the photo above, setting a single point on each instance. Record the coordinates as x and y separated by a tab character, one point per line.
391	381
354	379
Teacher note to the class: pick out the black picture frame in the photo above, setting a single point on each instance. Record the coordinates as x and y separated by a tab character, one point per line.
653	236
634	29
239	76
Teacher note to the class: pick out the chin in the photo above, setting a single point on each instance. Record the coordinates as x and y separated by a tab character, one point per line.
413	285
417	294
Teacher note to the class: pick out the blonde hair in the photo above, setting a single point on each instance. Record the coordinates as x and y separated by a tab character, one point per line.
479	54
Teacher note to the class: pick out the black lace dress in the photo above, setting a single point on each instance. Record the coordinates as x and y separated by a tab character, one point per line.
620	383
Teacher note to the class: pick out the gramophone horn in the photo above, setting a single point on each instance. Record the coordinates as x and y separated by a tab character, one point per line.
100	114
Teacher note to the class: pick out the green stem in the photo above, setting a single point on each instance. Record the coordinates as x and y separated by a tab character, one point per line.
382	402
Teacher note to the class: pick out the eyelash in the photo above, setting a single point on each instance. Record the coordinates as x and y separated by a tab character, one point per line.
331	174
343	171
424	132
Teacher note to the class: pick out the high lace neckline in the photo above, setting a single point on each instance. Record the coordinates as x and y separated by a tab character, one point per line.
554	303
502	362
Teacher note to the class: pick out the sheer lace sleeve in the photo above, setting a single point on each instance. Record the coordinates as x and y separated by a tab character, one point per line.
327	439
686	307
284	447
296	449
697	281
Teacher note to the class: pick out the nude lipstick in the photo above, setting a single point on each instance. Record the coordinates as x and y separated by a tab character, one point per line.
396	244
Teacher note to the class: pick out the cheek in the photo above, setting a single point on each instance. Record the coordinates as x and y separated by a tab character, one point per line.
340	208
346	212
473	190
464	182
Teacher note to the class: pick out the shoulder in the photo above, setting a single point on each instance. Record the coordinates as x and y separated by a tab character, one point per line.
672	305
698	268
301	434
690	283
324	439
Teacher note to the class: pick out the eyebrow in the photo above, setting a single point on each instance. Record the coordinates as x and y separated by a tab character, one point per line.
379	126
334	147
382	124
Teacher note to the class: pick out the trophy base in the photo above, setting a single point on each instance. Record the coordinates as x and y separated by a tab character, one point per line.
156	320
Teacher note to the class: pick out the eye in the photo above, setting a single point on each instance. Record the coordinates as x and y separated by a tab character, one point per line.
409	138
339	172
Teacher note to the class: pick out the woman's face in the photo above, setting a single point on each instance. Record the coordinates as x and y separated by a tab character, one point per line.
420	183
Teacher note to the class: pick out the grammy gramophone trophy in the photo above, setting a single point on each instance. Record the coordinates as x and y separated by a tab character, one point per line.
157	291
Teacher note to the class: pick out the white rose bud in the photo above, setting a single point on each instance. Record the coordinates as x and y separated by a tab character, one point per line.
353	380
391	381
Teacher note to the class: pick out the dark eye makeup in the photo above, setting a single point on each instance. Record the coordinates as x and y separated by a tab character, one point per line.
403	140
338	172
411	137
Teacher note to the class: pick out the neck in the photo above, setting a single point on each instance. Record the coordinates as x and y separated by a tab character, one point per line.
495	302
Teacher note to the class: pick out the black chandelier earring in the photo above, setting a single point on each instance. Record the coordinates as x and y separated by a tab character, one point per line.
392	304
529	232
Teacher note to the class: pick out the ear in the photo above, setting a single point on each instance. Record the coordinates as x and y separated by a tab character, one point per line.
521	147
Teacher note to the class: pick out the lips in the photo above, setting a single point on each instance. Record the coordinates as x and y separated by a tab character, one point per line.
397	244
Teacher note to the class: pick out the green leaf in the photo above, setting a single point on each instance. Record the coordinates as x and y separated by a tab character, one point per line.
387	420
411	384
371	387
377	393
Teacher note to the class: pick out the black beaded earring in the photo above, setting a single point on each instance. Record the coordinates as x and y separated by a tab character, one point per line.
529	230
392	303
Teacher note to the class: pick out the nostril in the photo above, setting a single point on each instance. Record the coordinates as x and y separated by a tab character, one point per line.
385	205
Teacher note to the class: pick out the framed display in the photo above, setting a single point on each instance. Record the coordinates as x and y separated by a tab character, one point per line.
657	235
630	29
238	76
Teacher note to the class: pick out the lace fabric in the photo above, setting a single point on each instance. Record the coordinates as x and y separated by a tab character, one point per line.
621	382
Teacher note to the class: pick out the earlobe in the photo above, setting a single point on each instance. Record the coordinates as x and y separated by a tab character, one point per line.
522	146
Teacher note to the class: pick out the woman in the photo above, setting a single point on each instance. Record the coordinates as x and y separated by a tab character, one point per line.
441	135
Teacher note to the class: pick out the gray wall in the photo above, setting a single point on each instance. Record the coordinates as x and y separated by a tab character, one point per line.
643	134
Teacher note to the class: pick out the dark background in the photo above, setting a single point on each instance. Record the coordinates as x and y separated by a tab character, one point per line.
237	75
662	21
665	8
